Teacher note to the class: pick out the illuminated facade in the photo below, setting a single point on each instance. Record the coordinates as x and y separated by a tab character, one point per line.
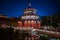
28	22
30	18
3	21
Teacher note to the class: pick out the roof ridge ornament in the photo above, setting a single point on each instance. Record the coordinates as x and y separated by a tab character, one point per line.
29	4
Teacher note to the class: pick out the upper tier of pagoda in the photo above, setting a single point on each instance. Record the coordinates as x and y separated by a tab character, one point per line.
30	10
30	13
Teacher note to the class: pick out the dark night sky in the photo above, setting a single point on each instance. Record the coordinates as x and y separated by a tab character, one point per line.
14	8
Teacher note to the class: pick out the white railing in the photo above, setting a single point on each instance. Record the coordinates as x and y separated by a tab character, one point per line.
50	31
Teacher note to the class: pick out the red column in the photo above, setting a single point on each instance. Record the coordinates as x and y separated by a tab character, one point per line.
28	24
25	23
39	24
33	23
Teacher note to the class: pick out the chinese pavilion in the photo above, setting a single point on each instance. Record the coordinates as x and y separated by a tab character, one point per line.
30	18
28	22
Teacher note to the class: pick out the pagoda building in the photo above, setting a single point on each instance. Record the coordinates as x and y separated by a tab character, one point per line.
28	22
30	18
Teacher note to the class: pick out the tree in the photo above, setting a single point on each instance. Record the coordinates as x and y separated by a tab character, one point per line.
45	21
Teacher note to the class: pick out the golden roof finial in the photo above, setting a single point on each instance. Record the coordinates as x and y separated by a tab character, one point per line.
29	4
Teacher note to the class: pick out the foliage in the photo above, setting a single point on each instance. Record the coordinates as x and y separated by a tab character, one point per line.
51	20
